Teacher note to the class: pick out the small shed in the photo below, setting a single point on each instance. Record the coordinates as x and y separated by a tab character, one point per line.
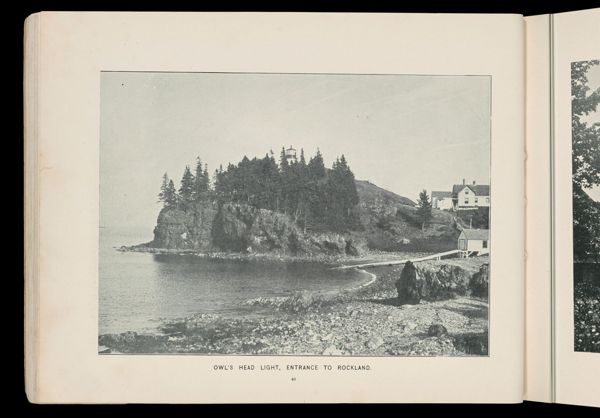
474	241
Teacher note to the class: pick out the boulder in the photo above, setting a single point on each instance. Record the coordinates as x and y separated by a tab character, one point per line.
472	343
431	281
437	330
355	245
374	342
479	282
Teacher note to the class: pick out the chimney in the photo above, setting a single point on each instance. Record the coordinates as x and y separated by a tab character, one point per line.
473	182
463	182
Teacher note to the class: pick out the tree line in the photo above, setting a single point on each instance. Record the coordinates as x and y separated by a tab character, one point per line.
313	196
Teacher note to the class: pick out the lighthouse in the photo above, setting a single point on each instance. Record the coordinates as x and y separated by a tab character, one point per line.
290	155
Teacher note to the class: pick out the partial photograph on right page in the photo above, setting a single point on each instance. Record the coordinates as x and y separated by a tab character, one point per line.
585	118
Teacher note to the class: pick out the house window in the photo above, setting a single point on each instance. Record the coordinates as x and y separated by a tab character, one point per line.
484	244
476	200
467	191
466	201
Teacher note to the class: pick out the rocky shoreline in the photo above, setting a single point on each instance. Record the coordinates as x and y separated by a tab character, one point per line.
367	320
370	256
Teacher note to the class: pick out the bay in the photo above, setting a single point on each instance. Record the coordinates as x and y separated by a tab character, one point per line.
138	290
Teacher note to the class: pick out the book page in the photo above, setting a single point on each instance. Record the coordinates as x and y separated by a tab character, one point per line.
412	128
538	300
576	85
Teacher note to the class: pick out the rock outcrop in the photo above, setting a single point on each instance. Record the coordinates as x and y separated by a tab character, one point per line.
479	282
206	226
441	280
432	281
188	228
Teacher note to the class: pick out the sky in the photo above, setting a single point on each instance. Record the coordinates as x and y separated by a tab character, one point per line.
594	117
403	133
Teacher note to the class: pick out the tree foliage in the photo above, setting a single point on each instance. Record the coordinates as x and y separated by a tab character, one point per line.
171	198
585	163
586	137
202	180
168	194
163	188
188	185
313	196
424	209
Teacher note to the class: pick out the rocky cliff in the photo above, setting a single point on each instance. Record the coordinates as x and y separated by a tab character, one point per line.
386	218
206	226
189	228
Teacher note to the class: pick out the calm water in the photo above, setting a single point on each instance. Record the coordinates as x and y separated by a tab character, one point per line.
137	289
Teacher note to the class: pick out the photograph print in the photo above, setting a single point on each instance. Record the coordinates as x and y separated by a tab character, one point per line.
299	214
585	125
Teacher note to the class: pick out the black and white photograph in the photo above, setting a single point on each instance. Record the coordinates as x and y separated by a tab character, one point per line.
307	214
585	125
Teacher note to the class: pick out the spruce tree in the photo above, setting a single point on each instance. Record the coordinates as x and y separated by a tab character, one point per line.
170	195
316	166
163	188
284	182
201	182
206	177
423	209
304	191
283	162
186	190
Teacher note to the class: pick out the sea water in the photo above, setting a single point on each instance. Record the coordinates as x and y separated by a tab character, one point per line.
138	290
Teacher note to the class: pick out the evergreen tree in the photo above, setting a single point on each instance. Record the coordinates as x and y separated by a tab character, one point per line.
305	192
302	190
186	190
316	166
268	183
423	209
283	162
206	177
341	197
285	185
163	188
170	195
202	180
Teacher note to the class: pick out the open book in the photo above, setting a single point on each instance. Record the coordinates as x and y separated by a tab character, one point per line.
304	207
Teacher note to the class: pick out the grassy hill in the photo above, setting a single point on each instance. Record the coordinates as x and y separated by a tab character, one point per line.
369	192
390	222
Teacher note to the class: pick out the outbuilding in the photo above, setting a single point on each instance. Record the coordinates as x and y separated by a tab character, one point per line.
472	241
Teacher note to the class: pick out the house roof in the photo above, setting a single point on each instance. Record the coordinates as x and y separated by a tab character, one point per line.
441	194
478	189
477	234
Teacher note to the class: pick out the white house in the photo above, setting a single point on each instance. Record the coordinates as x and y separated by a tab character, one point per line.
470	196
442	200
474	241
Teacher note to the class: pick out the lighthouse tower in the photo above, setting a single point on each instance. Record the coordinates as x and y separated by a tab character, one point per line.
290	155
